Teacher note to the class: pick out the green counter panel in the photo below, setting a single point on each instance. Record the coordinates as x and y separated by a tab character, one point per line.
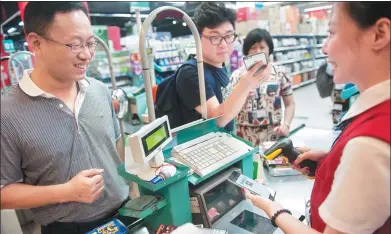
175	190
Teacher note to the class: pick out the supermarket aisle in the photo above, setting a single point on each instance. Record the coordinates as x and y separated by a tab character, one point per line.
311	109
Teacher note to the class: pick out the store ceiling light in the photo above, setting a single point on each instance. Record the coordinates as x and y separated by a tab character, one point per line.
25	43
326	7
117	15
184	24
174	22
231	6
177	3
21	23
271	3
11	30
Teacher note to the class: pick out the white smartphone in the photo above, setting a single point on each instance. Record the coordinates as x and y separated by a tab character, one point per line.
250	60
251	185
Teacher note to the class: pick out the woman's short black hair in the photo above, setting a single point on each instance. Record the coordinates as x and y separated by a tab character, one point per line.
255	36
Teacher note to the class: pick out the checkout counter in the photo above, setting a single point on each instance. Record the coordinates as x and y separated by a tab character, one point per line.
215	203
207	200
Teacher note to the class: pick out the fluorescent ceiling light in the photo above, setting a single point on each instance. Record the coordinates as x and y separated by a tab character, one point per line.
184	24
326	7
11	30
117	15
174	22
177	3
21	23
270	3
249	4
231	6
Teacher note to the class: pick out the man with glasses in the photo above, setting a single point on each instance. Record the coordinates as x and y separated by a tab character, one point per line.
59	133
215	23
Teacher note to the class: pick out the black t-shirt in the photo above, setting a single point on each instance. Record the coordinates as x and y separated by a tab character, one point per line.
188	90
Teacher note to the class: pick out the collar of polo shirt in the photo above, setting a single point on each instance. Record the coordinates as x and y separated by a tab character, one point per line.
30	88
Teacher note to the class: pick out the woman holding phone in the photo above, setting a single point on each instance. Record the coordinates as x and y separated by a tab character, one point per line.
351	192
261	118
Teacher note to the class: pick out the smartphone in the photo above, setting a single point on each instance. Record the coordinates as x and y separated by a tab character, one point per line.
250	60
251	185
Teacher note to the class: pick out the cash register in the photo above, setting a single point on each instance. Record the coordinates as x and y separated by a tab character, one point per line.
222	205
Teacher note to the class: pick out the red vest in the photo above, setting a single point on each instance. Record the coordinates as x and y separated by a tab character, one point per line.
375	123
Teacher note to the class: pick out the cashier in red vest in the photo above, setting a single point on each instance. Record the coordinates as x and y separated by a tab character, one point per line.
351	192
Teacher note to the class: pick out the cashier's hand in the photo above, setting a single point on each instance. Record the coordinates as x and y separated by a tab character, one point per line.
314	155
270	207
86	187
254	79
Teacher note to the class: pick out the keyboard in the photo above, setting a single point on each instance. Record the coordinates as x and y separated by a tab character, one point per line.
210	152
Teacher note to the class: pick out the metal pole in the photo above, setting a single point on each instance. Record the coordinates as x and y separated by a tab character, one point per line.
8	20
113	80
145	62
153	77
10	64
138	20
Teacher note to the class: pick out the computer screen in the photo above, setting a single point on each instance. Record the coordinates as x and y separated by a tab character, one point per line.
222	199
155	138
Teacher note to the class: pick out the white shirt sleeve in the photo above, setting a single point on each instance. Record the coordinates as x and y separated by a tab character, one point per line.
359	201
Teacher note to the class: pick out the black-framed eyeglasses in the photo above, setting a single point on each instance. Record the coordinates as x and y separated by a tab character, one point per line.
216	40
77	48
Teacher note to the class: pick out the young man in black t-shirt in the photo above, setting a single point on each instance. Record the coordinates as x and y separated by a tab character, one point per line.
215	24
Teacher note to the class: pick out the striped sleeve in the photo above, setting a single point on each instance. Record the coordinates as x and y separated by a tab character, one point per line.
11	158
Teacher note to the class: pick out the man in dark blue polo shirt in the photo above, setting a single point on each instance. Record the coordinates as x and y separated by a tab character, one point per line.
215	23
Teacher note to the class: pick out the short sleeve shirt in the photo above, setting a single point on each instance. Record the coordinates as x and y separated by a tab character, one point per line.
263	105
188	90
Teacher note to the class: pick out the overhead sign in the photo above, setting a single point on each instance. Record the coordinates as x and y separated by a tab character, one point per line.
9	46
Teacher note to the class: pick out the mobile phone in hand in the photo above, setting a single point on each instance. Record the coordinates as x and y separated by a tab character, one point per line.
250	60
251	185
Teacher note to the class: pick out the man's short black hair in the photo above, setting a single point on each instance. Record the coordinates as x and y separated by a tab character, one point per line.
255	36
39	15
213	14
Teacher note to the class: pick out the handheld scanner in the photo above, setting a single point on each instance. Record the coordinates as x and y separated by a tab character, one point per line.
285	146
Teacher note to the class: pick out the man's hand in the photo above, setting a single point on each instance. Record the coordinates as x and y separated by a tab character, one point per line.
254	78
86	187
282	130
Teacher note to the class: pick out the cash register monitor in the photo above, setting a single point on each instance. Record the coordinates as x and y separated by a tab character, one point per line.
146	146
223	206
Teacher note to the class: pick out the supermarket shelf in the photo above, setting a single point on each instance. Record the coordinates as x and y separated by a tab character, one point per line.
285	48
303	71
118	74
307	82
320	57
119	83
160	51
166	68
291	61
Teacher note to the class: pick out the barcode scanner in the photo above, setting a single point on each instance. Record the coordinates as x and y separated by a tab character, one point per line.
284	145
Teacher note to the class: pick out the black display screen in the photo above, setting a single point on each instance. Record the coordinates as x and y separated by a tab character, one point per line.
222	199
254	223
